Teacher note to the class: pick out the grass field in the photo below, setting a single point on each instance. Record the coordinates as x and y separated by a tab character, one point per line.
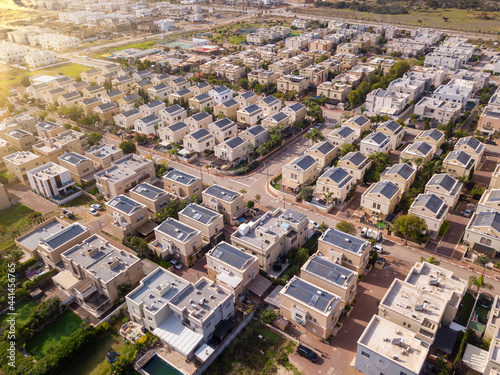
237	39
23	311
50	336
93	360
15	217
458	19
9	12
141	45
270	353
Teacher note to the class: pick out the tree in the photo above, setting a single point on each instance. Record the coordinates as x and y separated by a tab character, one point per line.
249	148
346	227
307	193
323	227
140	138
479	283
431	260
94	138
353	98
302	256
347	147
42	115
250	204
67	126
314	135
321	59
257	197
268	316
409	226
25	81
128	147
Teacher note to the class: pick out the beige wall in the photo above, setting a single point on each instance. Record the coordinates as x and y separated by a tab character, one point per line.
78	171
355	262
183	191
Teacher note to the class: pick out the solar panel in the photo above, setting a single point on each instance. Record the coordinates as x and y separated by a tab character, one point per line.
179	235
314	300
197	216
218	253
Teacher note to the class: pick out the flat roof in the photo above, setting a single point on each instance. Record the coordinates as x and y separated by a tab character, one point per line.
103	151
388	339
32	239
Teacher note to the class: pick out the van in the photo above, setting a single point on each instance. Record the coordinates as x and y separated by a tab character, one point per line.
307	353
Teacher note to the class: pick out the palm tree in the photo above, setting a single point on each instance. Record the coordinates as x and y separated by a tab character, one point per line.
431	260
314	135
328	197
249	148
323	227
479	283
379	158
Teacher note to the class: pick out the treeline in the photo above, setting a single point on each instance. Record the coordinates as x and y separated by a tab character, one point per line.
372	7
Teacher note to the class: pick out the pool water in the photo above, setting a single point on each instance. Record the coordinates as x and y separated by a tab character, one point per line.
157	366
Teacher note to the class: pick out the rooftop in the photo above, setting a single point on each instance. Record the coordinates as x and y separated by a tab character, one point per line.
149	191
32	239
125	204
175	229
21	157
103	151
443	181
303	162
222	193
47	171
73	158
332	272
311	295
344	241
63	236
384	188
181	177
200	213
402	169
231	255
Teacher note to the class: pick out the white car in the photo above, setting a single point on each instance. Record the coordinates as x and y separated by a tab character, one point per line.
378	248
314	224
96	206
176	264
93	211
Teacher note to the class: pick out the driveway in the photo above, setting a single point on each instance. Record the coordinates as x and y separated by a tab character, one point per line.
18	192
338	357
353	205
483	176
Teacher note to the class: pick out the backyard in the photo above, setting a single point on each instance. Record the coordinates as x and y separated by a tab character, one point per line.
270	354
50	336
467	305
93	360
23	311
14	218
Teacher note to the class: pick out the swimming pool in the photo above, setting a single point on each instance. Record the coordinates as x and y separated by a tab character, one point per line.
157	366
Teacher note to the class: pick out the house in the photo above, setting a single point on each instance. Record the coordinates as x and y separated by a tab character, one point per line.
104	155
301	171
174	133
201	101
490	201
92	91
250	115
141	75
90	75
161	78
78	166
228	109
246	99
440	111
49	129
154	198
342	135
208	222
182	97
332	277
402	175
200	120
426	312
123	83
335	91
334	185
128	102
230	72
159	92
296	112
177	240
21	139
255	135
473	147
201	88
173	114
229	203
380	346
269	105
375	142
433	137
78	86
154	107
123	174
417	153
489	121
4	199
483	233
317	310
458	163
231	150
199	141
69	99
393	131
412	86
272	236
292	83
223	129
148	124
20	162
430	208
220	94
53	181
127	119
386	102
182	185
445	187
344	249
263	77
178	84
112	96
129	217
323	152
161	314
232	268
106	111
94	273
360	125
456	91
88	105
381	198
279	120
356	164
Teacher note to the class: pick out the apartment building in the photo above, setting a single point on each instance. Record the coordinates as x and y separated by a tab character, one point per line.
356	164
79	166
301	171
272	236
104	155
124	174
208	222
53	181
154	198
95	271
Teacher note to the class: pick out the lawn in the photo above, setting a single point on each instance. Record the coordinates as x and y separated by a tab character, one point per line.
23	311
13	218
268	353
50	336
312	243
468	304
237	39
141	45
93	360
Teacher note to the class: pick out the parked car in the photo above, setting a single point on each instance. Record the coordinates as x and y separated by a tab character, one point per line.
93	211
314	224
68	214
490	142
319	125
96	206
378	248
467	212
307	353
176	264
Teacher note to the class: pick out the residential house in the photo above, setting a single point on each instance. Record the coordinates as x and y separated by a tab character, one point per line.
126	120
20	139
482	233
250	115
263	77
356	164
49	129
174	133
292	83
69	99
178	84
220	94
104	155
255	135
246	99
360	125
154	198
495	178
182	185
129	217
323	152
53	181
445	187
296	112
201	101
93	91
375	142
402	175
154	107
173	114
123	83
88	105
20	162
199	141
458	164
182	97
386	102
334	185
393	131
433	137
229	203
344	249
439	111
78	166
342	135
148	124
231	150
301	171
430	208
279	120
269	105
417	153
208	222
381	198
106	112
490	201
201	88
112	96
159	92
228	109
473	147
128	102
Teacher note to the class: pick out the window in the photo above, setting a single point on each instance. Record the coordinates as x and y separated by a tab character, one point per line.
364	354
485	241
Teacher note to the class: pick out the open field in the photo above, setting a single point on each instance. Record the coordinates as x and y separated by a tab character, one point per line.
458	19
13	218
93	360
9	12
141	45
51	335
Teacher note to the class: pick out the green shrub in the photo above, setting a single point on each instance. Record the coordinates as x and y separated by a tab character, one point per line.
444	228
268	316
125	319
25	265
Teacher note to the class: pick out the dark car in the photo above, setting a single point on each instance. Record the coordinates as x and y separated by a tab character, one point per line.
170	169
307	353
490	142
411	126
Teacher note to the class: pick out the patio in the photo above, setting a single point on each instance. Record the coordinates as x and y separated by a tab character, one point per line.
131	331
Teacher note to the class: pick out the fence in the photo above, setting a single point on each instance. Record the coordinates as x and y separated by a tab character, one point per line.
225	344
116	313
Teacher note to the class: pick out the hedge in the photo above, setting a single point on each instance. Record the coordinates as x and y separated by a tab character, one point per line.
444	227
25	265
40	280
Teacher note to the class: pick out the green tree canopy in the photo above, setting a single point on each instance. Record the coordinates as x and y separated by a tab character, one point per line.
94	138
128	147
346	227
410	226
